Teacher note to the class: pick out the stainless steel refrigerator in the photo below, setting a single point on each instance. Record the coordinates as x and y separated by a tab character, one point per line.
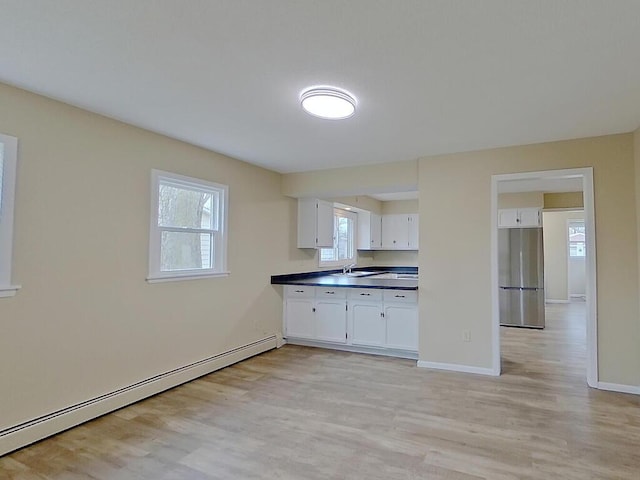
520	276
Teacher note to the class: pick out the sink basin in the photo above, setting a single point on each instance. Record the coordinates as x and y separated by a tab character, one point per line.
361	273
399	276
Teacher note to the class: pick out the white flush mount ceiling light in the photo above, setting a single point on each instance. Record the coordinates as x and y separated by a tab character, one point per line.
328	102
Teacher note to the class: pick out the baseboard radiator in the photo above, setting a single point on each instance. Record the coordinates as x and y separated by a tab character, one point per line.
31	431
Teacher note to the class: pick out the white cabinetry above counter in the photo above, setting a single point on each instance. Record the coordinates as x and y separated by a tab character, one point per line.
388	232
400	231
519	217
315	223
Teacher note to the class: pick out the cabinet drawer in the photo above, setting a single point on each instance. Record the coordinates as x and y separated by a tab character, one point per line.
329	292
401	296
299	291
365	294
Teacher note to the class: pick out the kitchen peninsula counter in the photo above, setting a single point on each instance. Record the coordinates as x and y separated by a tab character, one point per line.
363	277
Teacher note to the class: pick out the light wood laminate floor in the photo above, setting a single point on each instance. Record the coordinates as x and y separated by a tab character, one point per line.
305	413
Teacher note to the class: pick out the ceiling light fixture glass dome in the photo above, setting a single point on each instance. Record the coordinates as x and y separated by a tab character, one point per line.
328	102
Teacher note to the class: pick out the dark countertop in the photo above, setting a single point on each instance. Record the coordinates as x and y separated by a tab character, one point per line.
327	279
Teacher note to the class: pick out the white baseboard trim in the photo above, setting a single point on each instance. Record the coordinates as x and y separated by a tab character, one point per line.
552	300
454	367
616	387
18	436
387	352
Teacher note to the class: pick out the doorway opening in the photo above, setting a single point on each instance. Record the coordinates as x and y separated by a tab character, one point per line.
579	246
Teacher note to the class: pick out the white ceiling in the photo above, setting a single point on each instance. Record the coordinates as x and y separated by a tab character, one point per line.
430	76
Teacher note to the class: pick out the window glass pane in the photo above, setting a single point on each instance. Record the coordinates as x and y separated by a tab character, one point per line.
327	254
182	207
185	251
577	239
344	238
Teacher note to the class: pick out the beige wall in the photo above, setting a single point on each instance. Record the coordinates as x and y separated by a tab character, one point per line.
390	258
400	206
339	182
455	274
520	200
563	200
86	322
360	201
555	253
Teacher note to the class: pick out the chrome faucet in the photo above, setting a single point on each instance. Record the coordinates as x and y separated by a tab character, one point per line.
347	268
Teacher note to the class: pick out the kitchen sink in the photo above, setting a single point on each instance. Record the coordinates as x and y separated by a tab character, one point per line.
360	273
398	276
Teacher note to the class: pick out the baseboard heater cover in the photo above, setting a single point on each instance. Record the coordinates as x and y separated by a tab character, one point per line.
31	431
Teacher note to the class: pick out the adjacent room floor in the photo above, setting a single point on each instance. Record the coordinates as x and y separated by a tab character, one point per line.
305	413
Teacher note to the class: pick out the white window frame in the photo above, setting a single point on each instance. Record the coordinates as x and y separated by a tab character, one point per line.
155	232
339	212
7	207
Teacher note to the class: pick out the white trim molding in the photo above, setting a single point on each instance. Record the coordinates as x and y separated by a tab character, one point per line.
36	429
617	387
555	300
9	290
454	367
586	174
8	174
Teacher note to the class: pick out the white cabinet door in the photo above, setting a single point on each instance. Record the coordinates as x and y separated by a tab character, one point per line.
369	231
325	224
368	324
331	321
508	218
414	227
376	231
402	326
395	232
299	317
315	223
529	217
519	217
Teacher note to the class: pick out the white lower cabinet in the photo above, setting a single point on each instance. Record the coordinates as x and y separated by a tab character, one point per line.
330	322
299	311
366	317
402	326
376	320
368	325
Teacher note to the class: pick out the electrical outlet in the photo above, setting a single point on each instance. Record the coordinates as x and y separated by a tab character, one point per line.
466	335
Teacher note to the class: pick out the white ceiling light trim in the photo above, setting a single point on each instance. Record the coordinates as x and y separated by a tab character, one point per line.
328	102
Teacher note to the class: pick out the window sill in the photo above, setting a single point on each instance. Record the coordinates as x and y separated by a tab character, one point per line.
9	290
189	276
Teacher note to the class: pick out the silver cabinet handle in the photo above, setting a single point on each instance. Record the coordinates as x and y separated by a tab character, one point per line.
366	294
400	296
299	291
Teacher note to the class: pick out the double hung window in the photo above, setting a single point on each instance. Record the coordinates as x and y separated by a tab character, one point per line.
8	166
344	240
188	228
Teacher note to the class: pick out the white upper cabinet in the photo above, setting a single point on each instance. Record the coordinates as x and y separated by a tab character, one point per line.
369	231
315	223
400	231
414	228
519	217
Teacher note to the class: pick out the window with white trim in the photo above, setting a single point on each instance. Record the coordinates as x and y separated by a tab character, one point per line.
8	167
188	231
344	240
